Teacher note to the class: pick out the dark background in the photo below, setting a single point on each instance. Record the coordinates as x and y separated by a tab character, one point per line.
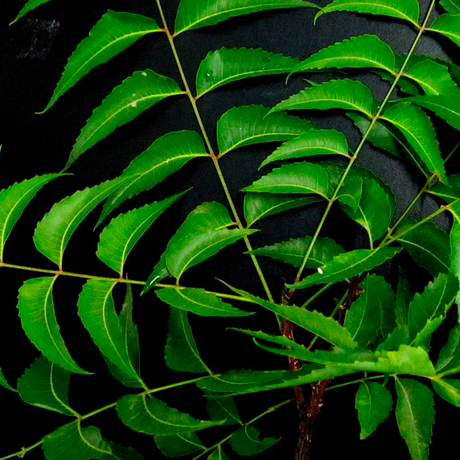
33	54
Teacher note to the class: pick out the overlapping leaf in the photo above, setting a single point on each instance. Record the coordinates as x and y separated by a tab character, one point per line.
448	193
222	408
30	5
228	65
245	441
248	125
178	445
135	95
451	6
447	25
449	356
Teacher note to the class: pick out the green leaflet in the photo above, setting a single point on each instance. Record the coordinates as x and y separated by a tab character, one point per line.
152	416
335	94
373	403
350	194
294	250
449	357
454	239
4	383
260	205
164	157
447	25
14	200
245	441
218	454
46	385
347	265
113	33
448	389
53	232
248	125
311	143
73	442
193	14
228	65
30	5
135	95
451	6
36	310
294	178
325	327
222	408
198	301
122	453
178	445
415	416
356	52
181	352
419	132
120	236
97	312
407	10
448	193
428	245
402	299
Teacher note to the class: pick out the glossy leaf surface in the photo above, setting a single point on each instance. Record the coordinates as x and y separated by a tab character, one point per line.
447	25
448	389
245	441
451	6
449	356
30	5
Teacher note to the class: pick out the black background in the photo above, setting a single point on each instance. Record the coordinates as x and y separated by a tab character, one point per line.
33	54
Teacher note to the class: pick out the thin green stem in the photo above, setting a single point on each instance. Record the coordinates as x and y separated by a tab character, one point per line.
23	451
315	296
364	379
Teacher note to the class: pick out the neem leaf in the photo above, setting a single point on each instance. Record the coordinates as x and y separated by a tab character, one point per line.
218	454
135	95
373	403
222	408
245	441
228	65
36	310
30	5
248	125
448	389
178	445
447	25
120	452
451	6
4	383
449	356
448	193
151	416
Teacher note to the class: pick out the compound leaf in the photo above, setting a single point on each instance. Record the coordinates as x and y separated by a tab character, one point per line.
245	441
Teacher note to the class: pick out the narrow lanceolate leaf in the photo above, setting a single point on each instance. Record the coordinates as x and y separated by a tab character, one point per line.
408	10
313	142
449	357
73	442
198	301
245	441
97	312
347	265
447	25
293	251
164	157
46	385
222	408
302	178
135	95
120	236
228	65
193	14
335	94
181	352
152	416
451	6
4	383
114	32
14	200
260	205
373	403
448	389
30	5
313	321
357	52
415	416
36	310
178	445
248	125
419	132
53	232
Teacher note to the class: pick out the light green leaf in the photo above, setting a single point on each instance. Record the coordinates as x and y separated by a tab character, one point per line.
151	416
350	193
193	14
4	383
447	25
120	236
419	132
448	389
248	125
135	95
164	157
260	205
198	301
228	65
311	143
36	310
293	251
451	6
294	178
373	403
415	416
14	200
335	94
46	385
73	442
356	52
245	441
347	265
112	34
222	408
218	454
97	312
408	10
30	5
53	232
178	445
449	356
